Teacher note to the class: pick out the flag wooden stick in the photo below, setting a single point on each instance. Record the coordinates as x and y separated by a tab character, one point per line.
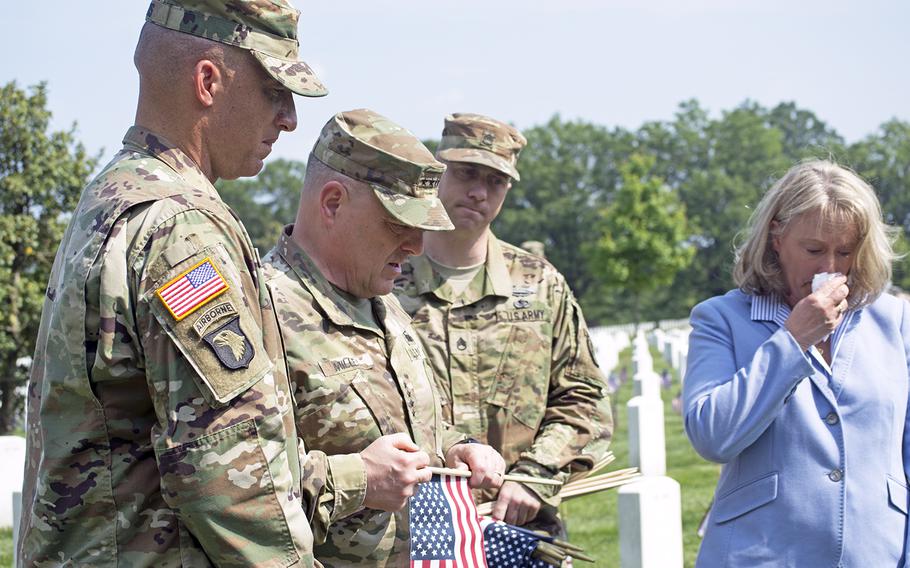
507	477
577	555
583	487
604	462
598	478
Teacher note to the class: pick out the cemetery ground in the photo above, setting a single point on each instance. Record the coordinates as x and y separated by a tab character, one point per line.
593	520
6	547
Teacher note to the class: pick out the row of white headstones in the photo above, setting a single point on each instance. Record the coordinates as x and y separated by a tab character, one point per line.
649	510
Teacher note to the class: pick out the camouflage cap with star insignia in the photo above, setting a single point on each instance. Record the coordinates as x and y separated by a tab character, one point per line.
479	139
368	147
265	28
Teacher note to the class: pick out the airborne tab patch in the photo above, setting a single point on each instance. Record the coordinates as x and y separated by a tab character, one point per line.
192	289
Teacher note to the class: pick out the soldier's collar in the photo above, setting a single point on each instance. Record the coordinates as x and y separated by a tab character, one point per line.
335	304
497	280
141	139
497	271
425	279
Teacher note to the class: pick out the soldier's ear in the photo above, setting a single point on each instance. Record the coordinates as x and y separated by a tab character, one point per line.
332	197
207	81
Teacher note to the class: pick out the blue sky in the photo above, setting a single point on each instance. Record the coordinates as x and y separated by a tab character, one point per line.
611	62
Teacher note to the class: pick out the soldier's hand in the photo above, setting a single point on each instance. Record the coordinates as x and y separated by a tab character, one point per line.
515	504
486	465
394	466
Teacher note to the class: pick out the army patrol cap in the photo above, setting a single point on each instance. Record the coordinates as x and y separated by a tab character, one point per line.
479	139
403	174
265	28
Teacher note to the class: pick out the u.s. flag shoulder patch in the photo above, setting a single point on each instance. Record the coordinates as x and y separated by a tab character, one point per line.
192	289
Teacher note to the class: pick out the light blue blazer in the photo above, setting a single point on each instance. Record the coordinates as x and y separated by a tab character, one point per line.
815	466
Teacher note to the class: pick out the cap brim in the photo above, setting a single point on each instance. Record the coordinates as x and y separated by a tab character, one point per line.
425	213
482	157
295	75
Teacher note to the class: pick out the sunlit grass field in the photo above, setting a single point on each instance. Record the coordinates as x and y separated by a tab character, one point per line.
6	547
592	520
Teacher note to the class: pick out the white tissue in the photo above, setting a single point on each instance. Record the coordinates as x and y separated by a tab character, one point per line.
819	279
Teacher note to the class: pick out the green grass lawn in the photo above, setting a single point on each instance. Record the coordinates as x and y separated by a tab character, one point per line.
593	521
6	547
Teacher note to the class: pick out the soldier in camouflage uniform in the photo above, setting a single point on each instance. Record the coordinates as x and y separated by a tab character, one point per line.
504	335
364	391
160	420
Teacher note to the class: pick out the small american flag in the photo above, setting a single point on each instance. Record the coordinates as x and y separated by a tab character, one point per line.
507	546
189	291
445	531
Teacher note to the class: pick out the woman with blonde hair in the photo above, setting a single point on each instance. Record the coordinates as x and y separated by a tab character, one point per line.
797	382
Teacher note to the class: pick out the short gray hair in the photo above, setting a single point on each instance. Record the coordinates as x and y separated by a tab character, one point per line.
840	196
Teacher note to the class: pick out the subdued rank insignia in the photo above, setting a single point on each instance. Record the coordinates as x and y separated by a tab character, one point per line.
230	345
487	139
427	185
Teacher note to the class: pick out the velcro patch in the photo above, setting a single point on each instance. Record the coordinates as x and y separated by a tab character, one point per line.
521	315
231	345
337	365
192	289
520	291
213	314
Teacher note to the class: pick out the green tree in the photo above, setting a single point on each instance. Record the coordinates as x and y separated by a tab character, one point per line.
267	202
568	171
803	134
883	159
645	239
743	155
41	176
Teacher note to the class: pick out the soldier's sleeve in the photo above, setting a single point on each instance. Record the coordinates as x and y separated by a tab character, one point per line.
333	488
222	442
577	425
450	437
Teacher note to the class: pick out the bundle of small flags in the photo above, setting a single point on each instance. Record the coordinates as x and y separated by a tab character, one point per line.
446	532
507	546
584	483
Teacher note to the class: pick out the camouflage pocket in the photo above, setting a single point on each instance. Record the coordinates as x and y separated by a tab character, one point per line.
200	303
222	488
339	414
522	378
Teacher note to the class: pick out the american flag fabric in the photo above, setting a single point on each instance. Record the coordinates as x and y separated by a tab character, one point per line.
192	289
509	547
445	529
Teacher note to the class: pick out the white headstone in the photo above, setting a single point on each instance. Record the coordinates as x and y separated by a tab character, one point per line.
650	527
12	456
647	444
660	339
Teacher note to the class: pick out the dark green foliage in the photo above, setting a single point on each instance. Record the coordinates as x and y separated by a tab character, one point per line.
41	176
267	202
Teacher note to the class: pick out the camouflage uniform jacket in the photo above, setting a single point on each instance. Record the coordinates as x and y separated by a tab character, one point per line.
513	362
355	379
157	439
